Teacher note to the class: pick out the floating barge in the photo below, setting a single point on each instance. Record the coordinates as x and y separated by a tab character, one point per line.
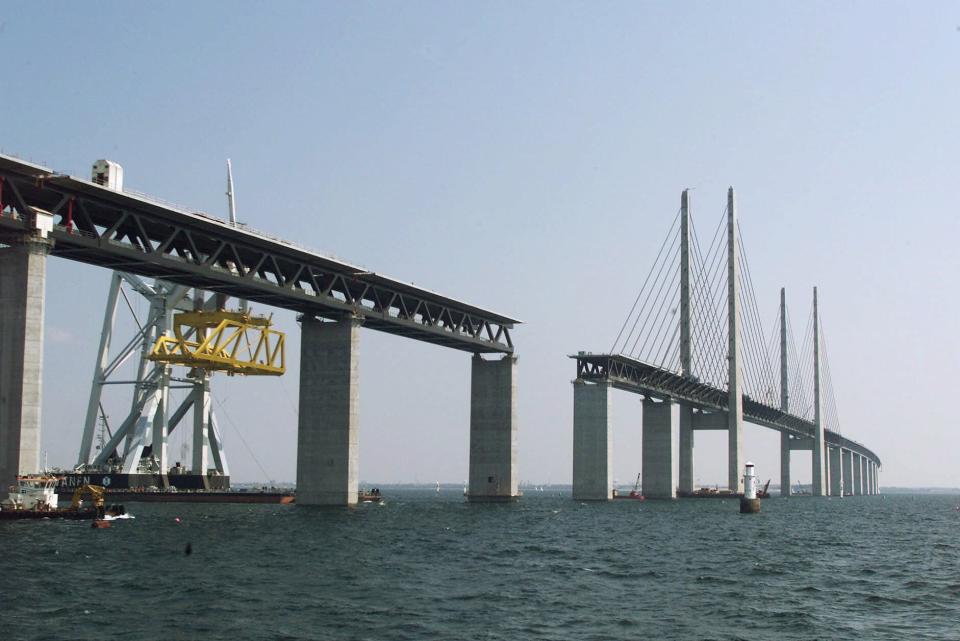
35	497
722	493
200	496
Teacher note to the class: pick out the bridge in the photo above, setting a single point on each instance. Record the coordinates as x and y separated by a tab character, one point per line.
46	213
693	347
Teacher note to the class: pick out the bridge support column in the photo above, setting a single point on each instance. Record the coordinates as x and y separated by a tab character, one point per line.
493	429
592	445
686	449
328	431
785	464
22	280
864	475
857	479
657	468
836	471
847	472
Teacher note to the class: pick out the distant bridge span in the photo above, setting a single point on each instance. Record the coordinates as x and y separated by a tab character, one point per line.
705	359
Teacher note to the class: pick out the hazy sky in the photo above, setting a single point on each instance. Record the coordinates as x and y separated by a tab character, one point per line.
528	158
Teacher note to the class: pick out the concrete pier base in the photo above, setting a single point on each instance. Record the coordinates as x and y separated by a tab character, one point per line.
493	430
836	471
22	281
328	429
785	464
658	478
749	506
592	442
685	419
819	485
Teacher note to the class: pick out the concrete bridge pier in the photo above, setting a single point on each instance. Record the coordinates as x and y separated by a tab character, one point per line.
836	471
685	419
592	444
328	426
658	479
847	472
785	448
493	429
22	281
857	478
865	475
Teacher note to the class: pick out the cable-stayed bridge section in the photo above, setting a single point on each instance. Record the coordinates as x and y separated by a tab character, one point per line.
47	213
693	346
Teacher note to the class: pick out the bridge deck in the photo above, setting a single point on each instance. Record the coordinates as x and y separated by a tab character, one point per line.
636	376
136	234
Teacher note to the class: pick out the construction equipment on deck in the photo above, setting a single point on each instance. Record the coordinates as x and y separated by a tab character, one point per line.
231	342
94	491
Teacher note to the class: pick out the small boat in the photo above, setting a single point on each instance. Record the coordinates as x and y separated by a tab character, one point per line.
634	494
373	496
765	492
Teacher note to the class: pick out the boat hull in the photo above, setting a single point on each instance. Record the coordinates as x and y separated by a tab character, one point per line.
70	514
229	496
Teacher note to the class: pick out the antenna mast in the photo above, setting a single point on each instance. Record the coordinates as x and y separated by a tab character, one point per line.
230	200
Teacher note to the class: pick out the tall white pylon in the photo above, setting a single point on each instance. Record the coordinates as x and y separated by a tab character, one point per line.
819	476
734	371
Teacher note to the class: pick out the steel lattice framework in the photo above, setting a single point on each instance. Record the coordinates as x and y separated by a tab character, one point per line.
121	231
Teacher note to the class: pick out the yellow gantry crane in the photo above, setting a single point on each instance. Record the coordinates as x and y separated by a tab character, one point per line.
224	341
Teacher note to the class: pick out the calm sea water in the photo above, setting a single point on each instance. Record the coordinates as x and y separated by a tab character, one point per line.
430	566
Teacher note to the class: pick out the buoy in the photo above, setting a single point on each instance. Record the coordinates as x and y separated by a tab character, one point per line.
176	519
749	503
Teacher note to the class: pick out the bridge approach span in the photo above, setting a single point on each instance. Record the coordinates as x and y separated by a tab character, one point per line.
43	212
635	376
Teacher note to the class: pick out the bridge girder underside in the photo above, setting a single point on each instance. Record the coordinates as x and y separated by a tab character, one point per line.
635	376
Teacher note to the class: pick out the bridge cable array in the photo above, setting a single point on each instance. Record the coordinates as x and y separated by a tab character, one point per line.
651	332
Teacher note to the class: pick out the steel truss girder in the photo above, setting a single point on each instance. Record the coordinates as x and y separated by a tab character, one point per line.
640	378
131	234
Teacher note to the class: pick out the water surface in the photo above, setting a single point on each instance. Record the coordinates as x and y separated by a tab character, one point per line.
430	566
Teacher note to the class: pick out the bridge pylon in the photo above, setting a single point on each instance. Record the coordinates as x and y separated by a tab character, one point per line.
735	373
784	397
820	475
686	352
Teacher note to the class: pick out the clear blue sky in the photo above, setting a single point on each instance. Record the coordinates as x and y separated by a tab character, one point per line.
526	157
